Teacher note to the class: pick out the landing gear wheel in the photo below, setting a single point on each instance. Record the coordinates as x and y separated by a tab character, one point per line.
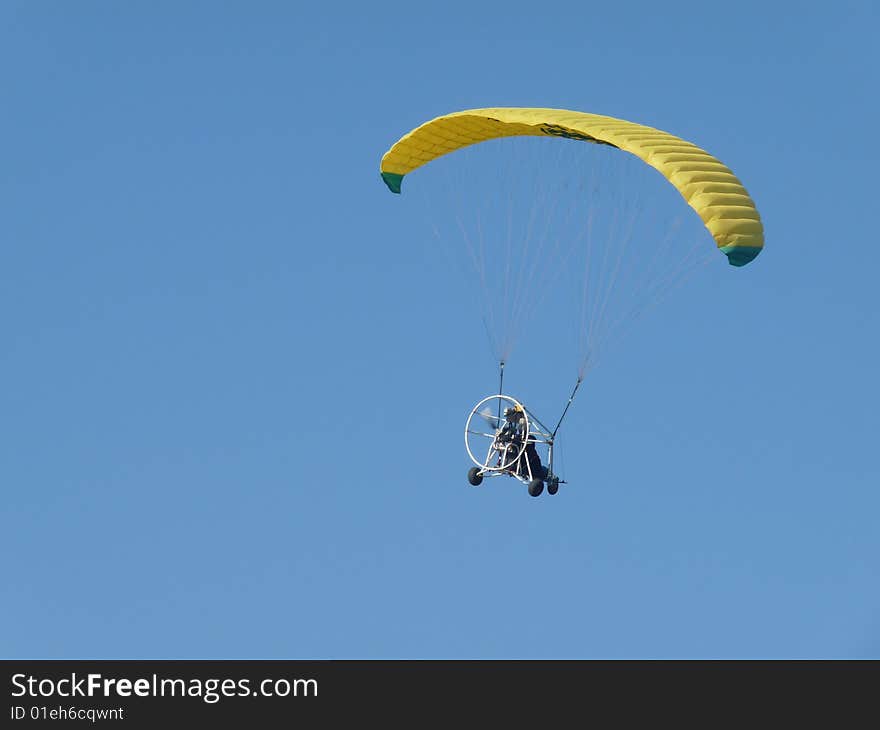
536	486
552	485
474	476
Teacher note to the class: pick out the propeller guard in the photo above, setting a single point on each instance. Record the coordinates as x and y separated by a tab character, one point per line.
501	455
489	444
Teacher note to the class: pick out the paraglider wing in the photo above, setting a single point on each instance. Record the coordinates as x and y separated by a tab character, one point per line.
707	185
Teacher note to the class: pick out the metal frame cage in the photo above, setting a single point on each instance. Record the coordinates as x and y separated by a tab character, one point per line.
498	446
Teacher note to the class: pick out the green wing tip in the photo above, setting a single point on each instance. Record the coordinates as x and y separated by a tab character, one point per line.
393	181
740	255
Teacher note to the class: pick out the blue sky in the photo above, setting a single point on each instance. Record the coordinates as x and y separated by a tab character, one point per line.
234	377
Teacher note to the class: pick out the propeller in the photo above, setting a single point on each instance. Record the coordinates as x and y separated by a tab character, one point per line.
490	418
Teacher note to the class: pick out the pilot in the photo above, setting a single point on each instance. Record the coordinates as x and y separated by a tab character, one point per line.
515	432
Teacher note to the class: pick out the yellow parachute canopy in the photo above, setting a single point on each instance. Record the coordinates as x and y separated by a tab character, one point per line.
707	185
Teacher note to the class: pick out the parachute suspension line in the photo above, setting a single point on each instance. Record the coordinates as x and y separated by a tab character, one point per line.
492	346
626	285
606	333
509	318
479	264
531	253
508	259
662	252
476	261
567	406
567	237
626	235
671	281
444	245
487	295
581	323
582	338
625	212
595	281
453	185
630	212
548	245
666	283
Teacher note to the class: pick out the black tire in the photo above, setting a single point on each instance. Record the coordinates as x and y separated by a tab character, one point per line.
536	486
553	485
474	476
